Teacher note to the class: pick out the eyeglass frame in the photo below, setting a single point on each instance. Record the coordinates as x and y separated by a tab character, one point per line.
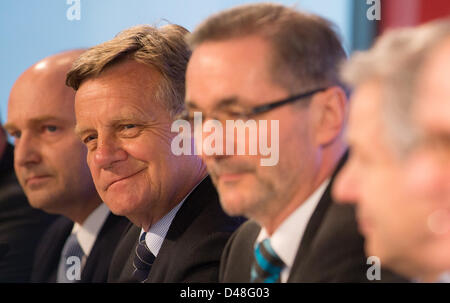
274	104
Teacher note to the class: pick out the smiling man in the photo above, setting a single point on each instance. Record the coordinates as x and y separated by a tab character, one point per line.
129	90
51	167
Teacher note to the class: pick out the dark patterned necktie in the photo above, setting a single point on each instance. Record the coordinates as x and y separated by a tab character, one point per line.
143	260
267	266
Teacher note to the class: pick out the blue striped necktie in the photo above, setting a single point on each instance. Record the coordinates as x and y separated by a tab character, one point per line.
267	266
143	260
69	269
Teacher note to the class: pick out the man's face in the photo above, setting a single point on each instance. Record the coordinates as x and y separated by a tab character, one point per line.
393	221
233	75
430	170
127	133
49	159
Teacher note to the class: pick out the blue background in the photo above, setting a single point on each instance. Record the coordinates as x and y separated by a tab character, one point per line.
33	29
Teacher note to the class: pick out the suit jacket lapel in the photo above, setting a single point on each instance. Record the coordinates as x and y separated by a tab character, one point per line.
99	258
53	255
315	221
190	209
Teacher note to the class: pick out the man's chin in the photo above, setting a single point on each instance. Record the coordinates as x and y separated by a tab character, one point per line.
233	203
51	206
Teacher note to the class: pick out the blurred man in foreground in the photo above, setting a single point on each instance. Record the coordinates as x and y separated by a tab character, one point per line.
400	226
430	168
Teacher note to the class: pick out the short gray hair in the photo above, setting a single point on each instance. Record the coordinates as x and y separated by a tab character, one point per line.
307	50
394	61
162	48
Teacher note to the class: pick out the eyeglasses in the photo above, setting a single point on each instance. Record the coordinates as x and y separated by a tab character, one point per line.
245	114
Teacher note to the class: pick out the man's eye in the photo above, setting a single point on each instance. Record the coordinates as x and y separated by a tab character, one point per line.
50	128
89	138
128	126
236	114
16	134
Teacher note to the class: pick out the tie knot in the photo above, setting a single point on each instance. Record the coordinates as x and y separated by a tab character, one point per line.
267	266
72	247
143	260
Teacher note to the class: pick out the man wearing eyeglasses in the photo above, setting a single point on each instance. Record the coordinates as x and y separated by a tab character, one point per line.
269	62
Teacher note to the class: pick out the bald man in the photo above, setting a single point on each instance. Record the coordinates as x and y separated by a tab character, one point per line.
21	226
50	163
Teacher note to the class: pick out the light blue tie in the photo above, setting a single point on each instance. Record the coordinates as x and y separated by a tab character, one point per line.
267	266
69	269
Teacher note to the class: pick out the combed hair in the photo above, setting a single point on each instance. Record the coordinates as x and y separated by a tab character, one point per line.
306	48
162	48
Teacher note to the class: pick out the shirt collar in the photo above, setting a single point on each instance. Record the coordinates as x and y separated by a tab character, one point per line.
157	232
287	237
87	232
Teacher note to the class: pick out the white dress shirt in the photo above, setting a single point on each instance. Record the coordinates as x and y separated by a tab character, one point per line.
87	232
157	232
286	239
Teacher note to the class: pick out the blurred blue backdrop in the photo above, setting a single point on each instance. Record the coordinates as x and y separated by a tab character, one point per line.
33	29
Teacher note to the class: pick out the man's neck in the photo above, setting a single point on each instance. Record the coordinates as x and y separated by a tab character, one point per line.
146	219
82	212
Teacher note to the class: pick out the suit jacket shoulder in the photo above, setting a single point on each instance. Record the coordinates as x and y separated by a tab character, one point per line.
237	257
49	250
97	264
99	260
331	249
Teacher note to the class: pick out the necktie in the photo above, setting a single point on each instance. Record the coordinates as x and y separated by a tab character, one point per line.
69	269
143	260
267	265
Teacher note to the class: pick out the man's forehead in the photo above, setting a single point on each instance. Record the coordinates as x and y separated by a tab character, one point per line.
433	106
365	112
223	74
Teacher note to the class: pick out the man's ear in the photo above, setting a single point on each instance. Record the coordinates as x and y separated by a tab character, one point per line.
330	114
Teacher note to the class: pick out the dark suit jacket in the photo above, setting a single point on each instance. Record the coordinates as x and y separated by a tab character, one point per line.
193	244
331	250
97	264
21	226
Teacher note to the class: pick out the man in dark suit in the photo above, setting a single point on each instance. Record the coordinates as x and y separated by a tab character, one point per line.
193	245
129	90
51	167
252	63
21	226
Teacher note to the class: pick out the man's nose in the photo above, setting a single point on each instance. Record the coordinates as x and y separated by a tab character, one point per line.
26	150
346	187
107	152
